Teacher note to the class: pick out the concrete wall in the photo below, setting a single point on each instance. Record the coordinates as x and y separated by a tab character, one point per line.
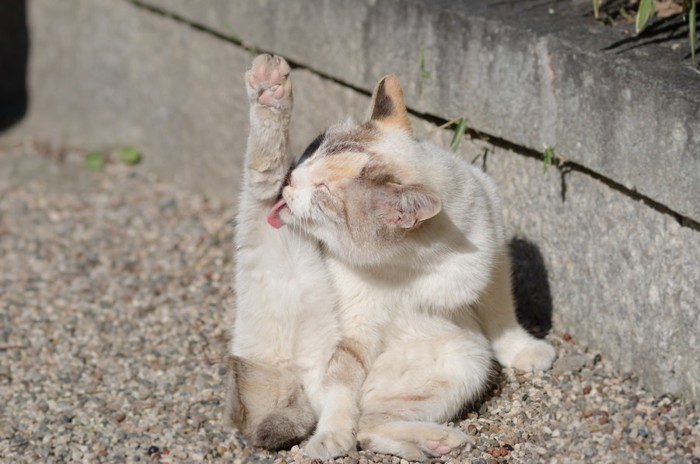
622	275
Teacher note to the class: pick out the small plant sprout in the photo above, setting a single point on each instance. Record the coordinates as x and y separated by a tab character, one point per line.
95	160
128	155
459	132
460	124
644	12
424	73
548	157
692	11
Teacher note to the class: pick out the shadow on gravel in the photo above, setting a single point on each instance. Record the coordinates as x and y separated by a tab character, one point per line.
533	298
14	53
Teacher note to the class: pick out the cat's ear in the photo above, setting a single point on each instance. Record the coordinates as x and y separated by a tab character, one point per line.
406	206
387	104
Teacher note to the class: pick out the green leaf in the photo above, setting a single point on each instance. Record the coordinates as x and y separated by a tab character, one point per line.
596	8
645	11
548	158
691	28
128	155
459	131
95	160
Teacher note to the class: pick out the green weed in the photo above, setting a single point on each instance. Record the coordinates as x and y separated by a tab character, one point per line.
645	11
548	158
459	132
95	160
424	73
692	13
128	155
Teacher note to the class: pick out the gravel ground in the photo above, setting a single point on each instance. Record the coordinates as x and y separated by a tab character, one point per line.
115	300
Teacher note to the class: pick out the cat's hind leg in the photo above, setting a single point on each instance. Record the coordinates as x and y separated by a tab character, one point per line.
268	156
266	404
424	378
512	344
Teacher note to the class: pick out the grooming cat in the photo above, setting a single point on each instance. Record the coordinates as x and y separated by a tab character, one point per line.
413	242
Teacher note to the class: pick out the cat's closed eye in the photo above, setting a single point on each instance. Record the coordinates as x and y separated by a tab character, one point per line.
322	186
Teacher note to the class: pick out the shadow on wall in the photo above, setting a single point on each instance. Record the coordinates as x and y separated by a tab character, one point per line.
14	52
533	298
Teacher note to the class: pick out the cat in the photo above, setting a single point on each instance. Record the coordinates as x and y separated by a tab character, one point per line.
412	243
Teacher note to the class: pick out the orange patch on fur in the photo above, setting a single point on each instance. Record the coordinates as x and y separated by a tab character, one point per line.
338	168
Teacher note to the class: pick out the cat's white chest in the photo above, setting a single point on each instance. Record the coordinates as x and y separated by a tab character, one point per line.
284	297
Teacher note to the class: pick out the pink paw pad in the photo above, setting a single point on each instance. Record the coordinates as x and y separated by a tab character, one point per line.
437	447
274	77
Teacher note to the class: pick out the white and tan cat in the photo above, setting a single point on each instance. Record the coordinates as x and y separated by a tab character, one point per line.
414	248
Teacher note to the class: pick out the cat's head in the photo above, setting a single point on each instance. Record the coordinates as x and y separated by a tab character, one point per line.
355	187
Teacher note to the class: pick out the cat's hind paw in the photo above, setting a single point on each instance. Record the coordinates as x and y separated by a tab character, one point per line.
330	444
537	355
268	83
445	442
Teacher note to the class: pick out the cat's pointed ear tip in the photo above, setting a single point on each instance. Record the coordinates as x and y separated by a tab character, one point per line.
390	79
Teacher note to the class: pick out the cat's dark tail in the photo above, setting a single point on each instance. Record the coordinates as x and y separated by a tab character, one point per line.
285	428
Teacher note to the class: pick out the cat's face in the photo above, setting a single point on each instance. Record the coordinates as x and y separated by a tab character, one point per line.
353	188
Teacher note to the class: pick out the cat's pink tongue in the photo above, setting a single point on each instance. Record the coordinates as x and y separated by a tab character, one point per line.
273	217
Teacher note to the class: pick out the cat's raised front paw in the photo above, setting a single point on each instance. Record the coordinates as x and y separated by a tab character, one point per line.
268	83
330	444
537	355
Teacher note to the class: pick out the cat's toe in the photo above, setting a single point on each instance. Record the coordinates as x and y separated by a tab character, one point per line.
538	355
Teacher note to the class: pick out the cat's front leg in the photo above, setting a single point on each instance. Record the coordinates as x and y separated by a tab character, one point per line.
336	431
268	157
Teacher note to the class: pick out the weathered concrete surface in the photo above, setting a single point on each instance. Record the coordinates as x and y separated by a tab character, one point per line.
622	276
516	70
